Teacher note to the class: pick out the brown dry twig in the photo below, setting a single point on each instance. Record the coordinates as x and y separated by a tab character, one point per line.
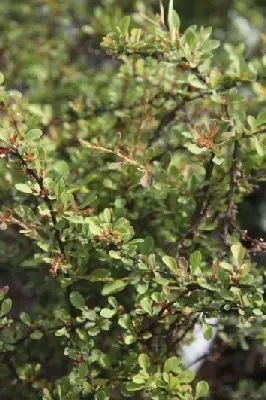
123	157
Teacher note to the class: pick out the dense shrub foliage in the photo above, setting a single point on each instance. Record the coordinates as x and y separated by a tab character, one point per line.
120	197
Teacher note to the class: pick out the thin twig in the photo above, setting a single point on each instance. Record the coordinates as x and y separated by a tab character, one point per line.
125	158
203	357
202	204
188	329
45	195
70	327
255	133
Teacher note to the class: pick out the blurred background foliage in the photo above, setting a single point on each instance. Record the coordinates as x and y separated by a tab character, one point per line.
50	51
50	48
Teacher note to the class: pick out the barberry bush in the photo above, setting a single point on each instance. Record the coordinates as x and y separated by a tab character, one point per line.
120	195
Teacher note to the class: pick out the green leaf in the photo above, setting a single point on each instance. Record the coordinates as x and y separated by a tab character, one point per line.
135	37
3	292
207	331
257	311
195	82
134	387
6	306
94	226
129	339
2	78
146	247
236	98
194	149
61	332
121	224
88	201
59	392
124	321
173	20
113	302
202	390
113	287
59	188
114	254
101	394
46	394
142	287
36	335
32	135
141	377
87	387
210	45
174	383
259	146
170	13
90	315
146	335
186	376
83	370
172	364
93	331
162	13
107	313
203	283
25	318
23	187
146	305
258	299
261	118
195	260
77	300
171	264
95	229
4	135
124	25
66	198
107	215
143	361
226	266
252	122
190	37
218	160
238	252
98	275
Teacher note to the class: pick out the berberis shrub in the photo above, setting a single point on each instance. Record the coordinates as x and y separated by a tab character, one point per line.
119	212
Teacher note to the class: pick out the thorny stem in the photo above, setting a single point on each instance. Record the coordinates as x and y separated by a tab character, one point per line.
255	245
230	215
31	172
169	117
21	224
233	180
188	329
202	204
199	75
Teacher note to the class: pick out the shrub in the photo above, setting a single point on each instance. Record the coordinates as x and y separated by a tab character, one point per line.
126	199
